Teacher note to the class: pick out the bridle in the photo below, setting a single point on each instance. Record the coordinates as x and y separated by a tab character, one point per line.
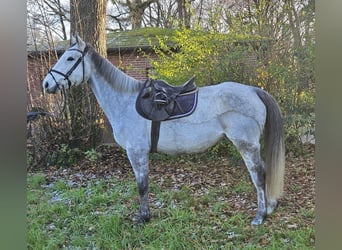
66	75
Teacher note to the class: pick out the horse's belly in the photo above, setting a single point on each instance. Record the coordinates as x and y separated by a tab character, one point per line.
188	137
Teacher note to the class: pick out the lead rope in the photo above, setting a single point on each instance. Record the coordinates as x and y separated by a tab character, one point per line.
63	93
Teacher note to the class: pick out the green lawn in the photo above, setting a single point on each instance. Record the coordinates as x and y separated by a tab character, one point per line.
99	214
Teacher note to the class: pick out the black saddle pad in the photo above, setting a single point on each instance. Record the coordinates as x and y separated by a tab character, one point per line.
185	105
175	107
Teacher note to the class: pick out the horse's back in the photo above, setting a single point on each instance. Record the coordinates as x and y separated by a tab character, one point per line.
226	97
226	109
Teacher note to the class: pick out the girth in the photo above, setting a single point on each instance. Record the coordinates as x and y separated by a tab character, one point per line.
159	101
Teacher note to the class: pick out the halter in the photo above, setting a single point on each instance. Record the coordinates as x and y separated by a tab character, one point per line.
66	75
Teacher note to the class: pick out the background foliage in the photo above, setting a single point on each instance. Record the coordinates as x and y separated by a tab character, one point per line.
216	57
211	56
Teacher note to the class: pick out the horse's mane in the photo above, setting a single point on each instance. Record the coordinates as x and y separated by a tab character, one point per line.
115	77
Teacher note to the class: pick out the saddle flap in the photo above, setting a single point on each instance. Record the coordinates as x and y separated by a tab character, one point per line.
147	108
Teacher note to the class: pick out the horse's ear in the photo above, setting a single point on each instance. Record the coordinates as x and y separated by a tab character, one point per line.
72	40
81	43
76	39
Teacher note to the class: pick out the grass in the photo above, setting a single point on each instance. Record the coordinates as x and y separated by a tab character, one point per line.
99	215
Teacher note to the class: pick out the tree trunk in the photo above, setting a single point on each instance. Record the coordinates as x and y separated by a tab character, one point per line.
88	19
137	9
184	13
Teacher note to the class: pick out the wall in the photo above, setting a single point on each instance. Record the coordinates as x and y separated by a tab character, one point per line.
132	63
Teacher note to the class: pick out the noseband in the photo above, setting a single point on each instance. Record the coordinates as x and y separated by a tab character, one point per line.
66	75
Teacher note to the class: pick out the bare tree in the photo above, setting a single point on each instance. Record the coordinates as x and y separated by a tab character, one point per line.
132	11
61	12
184	14
46	19
137	9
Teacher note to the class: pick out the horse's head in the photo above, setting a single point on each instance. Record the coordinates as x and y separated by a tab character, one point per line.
71	69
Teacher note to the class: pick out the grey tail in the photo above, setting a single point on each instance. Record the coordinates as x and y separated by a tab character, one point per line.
274	147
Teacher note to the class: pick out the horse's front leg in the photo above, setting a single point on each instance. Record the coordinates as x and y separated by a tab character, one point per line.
139	162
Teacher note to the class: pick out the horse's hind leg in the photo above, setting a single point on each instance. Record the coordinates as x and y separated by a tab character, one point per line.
251	156
139	162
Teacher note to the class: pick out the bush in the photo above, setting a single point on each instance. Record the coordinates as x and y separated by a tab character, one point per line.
92	155
77	120
297	103
44	134
211	56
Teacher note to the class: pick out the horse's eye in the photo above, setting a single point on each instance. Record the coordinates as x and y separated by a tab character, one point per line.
70	58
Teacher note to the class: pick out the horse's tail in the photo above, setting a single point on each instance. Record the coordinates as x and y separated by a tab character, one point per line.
274	147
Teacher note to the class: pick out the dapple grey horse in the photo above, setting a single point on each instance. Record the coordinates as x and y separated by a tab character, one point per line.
238	112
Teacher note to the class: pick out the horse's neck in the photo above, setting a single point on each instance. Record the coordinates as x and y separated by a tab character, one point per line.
119	81
111	101
114	90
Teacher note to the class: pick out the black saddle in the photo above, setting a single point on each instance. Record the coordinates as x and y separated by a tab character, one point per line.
159	101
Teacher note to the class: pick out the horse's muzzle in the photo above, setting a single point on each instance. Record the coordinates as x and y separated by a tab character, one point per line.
50	88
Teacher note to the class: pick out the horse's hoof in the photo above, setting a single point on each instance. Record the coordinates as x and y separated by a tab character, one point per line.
258	220
145	220
140	221
142	218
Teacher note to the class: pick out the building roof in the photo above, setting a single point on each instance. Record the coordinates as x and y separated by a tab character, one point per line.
138	38
143	38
